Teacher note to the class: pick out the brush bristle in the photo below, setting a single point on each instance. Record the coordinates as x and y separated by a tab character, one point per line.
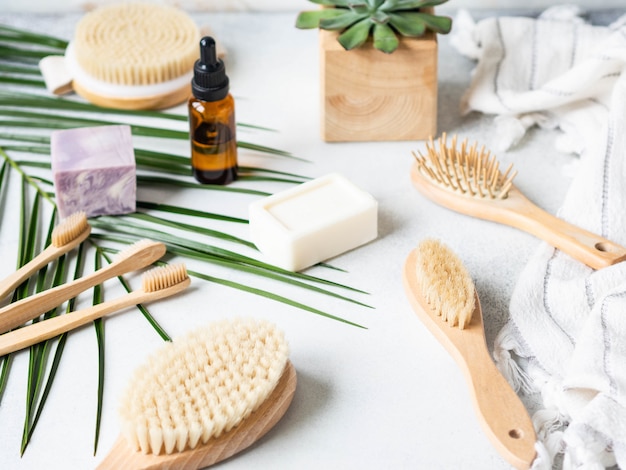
445	283
69	228
134	43
466	170
163	277
202	385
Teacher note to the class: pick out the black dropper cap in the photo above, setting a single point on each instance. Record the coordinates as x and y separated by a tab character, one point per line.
210	82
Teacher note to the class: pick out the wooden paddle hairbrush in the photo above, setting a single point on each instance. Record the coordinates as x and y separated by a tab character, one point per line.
468	180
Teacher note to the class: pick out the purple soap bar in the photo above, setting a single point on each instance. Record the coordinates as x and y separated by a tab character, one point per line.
94	170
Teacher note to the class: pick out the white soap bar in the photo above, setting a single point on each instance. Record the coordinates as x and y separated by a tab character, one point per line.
312	222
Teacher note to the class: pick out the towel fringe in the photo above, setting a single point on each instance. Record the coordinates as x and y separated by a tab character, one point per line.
586	449
543	460
586	455
549	425
510	129
505	342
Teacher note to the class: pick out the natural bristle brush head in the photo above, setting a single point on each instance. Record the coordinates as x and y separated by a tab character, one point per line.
465	169
136	43
69	229
163	277
134	55
445	283
202	385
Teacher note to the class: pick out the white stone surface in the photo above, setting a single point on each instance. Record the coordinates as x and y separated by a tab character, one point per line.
385	397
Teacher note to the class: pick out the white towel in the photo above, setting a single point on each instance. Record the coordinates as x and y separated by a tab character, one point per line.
567	328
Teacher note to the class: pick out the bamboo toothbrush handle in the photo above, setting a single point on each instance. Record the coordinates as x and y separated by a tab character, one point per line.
11	282
46	329
18	313
587	247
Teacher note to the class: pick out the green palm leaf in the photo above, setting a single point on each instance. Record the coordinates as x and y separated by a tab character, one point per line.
26	119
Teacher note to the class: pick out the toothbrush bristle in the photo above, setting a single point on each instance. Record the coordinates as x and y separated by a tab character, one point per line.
69	228
163	277
467	169
202	385
445	283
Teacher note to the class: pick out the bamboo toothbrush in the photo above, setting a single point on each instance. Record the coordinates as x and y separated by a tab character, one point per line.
69	233
204	397
442	294
468	180
157	283
136	256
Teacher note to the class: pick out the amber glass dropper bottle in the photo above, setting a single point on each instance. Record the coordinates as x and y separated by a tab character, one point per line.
212	120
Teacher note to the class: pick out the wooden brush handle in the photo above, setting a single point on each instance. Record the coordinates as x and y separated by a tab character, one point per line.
46	329
11	282
215	450
18	313
595	251
501	413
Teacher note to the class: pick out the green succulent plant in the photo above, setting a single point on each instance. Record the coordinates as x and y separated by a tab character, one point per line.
382	19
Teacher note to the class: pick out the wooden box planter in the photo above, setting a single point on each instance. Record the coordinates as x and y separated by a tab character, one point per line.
368	95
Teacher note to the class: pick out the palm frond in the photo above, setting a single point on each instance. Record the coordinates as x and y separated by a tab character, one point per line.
27	117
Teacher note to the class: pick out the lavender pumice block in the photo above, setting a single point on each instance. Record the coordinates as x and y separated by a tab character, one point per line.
94	170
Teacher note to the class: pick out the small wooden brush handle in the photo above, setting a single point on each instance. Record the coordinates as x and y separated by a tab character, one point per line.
217	449
18	313
46	329
11	282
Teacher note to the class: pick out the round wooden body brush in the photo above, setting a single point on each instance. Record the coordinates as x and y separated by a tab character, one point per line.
442	294
134	56
468	180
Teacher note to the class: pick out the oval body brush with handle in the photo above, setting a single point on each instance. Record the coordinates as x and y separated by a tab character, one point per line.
442	294
468	180
204	397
